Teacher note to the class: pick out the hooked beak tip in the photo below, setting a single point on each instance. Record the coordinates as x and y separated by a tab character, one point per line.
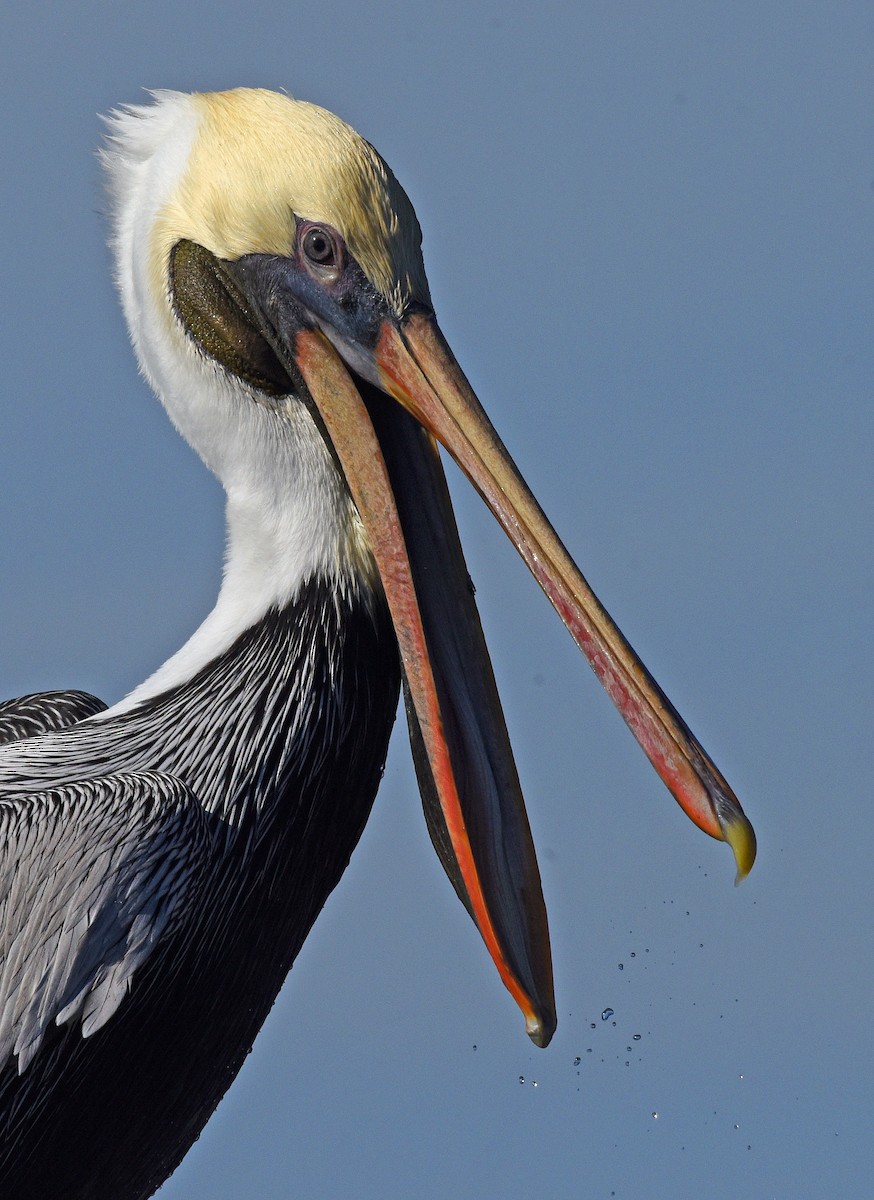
739	834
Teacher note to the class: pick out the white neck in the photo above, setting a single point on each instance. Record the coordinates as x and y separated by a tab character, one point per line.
290	523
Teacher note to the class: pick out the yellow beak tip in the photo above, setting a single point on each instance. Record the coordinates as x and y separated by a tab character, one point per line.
741	837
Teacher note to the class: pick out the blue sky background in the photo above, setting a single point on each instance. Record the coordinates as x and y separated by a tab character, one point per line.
648	235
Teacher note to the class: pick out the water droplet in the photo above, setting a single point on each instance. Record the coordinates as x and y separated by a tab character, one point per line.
655	1116
737	1126
534	1083
577	1061
633	954
740	1076
622	966
606	1014
637	1038
593	1025
474	1045
521	1078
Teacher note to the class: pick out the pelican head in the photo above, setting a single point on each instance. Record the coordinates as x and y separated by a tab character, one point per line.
271	272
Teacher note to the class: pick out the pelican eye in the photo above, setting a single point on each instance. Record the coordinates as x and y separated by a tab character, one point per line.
318	246
322	252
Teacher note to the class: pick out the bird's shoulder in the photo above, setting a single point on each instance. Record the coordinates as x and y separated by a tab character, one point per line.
45	712
92	875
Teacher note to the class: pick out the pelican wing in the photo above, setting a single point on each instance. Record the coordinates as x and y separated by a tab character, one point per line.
91	875
42	712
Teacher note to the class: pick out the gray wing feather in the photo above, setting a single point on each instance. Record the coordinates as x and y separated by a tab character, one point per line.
41	712
91	876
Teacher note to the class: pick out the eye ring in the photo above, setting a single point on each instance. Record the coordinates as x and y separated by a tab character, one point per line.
318	246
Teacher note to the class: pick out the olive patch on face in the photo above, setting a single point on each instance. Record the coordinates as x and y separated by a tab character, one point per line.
216	315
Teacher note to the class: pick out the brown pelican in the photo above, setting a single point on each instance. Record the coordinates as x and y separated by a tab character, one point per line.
162	861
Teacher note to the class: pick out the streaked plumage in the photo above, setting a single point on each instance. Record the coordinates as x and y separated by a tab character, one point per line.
222	823
162	861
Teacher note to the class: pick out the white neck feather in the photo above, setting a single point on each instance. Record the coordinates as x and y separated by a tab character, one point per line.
289	514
